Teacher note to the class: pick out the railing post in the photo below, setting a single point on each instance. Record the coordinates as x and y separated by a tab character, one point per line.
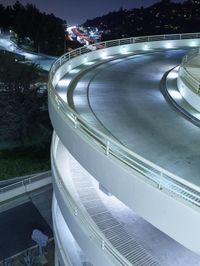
107	148
25	187
186	58
102	244
60	183
75	122
160	181
198	89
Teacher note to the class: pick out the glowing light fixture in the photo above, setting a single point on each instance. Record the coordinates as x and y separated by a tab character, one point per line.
193	44
124	50
74	71
64	82
175	94
85	59
169	45
103	54
173	75
89	63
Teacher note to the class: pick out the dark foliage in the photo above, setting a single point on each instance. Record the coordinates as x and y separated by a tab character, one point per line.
45	31
23	106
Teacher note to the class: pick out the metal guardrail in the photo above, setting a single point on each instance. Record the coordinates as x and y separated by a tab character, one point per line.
86	49
169	183
85	220
34	178
186	75
11	260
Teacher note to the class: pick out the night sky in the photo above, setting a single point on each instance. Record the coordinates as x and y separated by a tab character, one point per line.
77	11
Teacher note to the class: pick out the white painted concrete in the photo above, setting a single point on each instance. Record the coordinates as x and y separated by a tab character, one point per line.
188	94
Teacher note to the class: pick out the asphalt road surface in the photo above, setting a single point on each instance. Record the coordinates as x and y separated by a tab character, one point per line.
124	95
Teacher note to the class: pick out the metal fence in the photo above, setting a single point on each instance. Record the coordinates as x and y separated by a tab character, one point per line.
86	49
27	181
32	252
86	222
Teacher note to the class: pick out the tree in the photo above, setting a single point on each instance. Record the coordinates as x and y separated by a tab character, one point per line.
20	100
45	31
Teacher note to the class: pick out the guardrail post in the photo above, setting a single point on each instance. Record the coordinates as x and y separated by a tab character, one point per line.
59	183
75	122
198	89
25	187
107	147
186	58
75	212
102	244
160	181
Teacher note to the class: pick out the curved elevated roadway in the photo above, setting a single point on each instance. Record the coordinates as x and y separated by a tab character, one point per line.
124	95
120	94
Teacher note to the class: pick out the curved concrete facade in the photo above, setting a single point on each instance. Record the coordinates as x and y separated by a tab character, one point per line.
188	94
188	81
78	147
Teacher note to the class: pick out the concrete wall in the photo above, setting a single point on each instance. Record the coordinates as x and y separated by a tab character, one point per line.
188	94
23	187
